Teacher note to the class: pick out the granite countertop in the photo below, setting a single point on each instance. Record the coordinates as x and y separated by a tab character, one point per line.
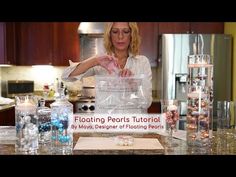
7	145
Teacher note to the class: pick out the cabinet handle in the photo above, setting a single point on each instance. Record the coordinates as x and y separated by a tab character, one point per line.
187	32
192	32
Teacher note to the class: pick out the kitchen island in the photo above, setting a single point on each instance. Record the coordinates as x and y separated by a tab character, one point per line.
7	145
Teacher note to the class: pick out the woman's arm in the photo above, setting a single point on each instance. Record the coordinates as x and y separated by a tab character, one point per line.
106	61
84	66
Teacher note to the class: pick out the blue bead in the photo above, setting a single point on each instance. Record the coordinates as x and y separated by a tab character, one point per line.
54	122
67	138
61	139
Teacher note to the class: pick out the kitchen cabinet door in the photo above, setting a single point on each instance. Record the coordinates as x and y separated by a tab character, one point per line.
174	27
34	45
149	41
47	43
66	43
191	27
7	43
207	28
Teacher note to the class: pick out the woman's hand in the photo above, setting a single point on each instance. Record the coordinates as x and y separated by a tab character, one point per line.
108	62
125	73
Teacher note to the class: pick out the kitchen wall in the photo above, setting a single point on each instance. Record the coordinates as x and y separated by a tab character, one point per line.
230	28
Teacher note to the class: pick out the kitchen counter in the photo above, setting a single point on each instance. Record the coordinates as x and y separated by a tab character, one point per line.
7	145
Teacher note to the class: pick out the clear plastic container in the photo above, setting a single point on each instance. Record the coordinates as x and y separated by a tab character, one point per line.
44	122
120	95
61	120
26	124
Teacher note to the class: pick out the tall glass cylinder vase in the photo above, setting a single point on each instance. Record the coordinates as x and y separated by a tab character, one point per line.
26	124
200	98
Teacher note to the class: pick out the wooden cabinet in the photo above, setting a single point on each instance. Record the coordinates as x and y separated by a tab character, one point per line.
34	43
7	117
174	27
56	42
191	27
149	41
66	43
207	28
43	43
7	43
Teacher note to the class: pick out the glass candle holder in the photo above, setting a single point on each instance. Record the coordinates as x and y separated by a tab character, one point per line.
170	111
26	124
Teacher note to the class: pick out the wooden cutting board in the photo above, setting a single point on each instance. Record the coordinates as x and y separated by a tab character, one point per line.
107	145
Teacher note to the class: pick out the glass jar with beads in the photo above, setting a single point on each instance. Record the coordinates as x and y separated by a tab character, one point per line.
44	122
61	120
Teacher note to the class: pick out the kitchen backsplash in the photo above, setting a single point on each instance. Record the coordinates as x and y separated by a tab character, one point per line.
40	75
48	75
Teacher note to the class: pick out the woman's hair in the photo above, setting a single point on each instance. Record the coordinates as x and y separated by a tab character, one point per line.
134	42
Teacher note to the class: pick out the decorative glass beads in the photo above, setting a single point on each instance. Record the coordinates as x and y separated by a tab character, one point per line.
44	122
199	114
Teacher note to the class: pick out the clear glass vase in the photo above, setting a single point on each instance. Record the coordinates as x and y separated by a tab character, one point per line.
200	98
26	124
170	111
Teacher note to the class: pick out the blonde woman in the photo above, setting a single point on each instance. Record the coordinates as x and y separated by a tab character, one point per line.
121	41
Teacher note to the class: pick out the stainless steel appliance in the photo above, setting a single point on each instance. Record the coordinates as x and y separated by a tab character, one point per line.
174	51
91	39
91	43
85	105
180	91
88	91
12	88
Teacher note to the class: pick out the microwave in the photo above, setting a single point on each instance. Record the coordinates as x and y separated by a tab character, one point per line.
13	88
